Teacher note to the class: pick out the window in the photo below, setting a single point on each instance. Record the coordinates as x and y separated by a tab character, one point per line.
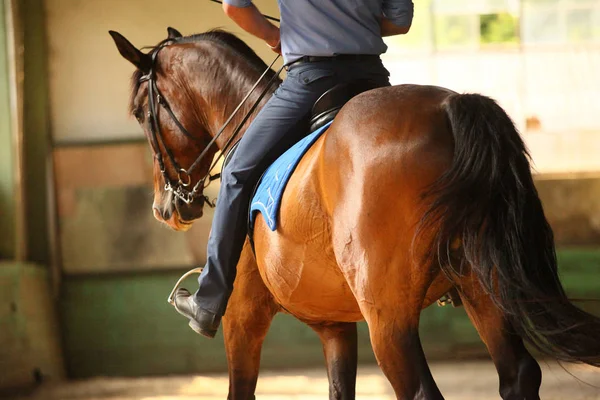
561	21
472	24
456	31
502	28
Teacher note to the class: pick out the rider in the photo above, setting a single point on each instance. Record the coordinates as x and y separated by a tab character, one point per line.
324	43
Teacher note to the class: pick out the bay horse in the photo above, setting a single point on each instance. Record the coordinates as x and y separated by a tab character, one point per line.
412	191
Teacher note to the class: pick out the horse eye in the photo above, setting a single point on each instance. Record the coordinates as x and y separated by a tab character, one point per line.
139	115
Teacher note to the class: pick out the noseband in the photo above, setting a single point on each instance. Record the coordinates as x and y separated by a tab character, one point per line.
182	188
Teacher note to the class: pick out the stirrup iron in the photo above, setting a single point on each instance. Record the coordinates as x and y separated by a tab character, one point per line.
171	298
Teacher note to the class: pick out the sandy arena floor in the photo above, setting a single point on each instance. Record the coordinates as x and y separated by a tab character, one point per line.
457	381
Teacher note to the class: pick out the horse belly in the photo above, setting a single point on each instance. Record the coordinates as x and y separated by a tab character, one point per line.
303	275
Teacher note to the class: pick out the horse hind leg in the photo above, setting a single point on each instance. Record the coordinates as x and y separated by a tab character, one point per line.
340	348
250	311
391	303
519	373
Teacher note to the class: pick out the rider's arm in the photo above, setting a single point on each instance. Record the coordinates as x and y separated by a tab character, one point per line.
397	17
388	28
247	17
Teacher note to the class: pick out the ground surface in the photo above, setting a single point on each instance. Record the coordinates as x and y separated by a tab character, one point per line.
458	381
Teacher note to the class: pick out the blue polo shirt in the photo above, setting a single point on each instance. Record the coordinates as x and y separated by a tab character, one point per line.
331	27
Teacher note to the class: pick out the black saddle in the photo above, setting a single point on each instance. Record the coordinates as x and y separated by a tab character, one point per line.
331	102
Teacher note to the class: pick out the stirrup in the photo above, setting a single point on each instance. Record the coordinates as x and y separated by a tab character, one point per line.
171	298
444	301
452	297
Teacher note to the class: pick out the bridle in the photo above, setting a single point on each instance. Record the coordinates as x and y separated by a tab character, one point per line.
182	188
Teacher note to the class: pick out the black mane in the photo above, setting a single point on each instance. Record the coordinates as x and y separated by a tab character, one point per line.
230	40
219	36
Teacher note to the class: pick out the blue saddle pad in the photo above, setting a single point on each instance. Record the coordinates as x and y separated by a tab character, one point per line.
268	194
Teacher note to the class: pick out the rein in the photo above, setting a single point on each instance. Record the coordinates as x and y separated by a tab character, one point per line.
181	188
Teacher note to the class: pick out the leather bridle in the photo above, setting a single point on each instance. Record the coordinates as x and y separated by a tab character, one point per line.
182	188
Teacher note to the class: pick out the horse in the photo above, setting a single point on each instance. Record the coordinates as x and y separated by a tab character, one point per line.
411	192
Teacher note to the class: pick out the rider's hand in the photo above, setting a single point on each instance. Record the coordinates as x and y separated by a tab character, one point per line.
274	41
252	21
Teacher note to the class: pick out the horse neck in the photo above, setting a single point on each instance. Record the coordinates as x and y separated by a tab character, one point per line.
223	83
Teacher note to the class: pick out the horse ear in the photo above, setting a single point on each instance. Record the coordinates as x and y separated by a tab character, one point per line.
174	33
131	53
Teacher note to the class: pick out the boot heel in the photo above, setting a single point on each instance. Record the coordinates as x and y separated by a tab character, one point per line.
196	328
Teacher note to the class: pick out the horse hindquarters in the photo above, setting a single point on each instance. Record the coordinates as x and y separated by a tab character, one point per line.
488	203
374	169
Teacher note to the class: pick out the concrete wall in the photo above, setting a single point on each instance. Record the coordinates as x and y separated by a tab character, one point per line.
572	207
104	211
549	92
89	80
89	90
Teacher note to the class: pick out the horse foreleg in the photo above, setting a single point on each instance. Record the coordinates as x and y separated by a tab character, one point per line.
519	373
250	311
340	348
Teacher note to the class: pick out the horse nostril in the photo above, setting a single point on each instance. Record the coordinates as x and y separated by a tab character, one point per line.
163	213
167	213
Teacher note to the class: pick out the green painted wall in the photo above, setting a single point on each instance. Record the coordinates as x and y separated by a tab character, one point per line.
36	130
123	325
29	335
7	205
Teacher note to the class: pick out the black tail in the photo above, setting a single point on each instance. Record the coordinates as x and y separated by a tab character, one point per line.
488	201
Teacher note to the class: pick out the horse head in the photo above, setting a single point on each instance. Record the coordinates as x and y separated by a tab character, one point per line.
165	102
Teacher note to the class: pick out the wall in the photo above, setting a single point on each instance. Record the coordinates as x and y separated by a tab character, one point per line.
549	92
101	159
89	90
89	80
572	207
29	335
130	329
30	349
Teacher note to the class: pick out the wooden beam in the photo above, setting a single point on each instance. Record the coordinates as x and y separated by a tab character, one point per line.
7	166
36	128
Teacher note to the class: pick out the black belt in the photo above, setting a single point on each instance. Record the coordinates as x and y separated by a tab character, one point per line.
339	57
